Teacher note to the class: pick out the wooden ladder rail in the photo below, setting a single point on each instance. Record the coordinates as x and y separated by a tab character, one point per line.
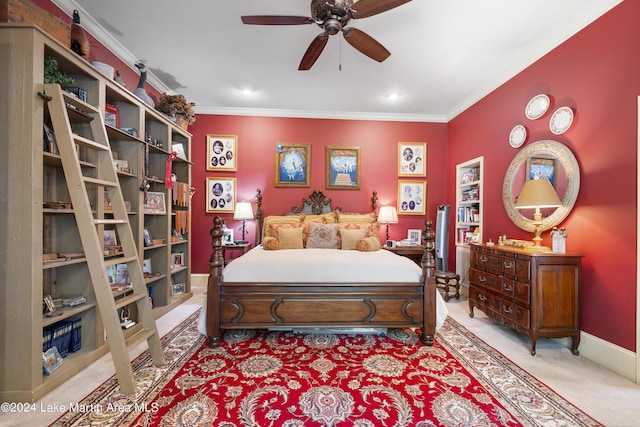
61	105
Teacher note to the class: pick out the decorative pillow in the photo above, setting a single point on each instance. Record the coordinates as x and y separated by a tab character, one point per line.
323	236
326	218
272	223
371	229
270	243
368	244
350	238
353	218
290	238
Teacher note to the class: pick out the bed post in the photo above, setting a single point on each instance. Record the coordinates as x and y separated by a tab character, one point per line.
374	203
216	264
258	217
428	264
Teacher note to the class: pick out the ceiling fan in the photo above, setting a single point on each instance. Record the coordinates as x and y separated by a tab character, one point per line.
333	16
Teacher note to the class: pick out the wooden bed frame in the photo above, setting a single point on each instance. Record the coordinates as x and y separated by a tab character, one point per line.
318	305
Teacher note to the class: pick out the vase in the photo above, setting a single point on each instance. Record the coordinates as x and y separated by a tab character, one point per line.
182	121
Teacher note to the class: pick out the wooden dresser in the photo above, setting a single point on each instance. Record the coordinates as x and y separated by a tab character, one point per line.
536	293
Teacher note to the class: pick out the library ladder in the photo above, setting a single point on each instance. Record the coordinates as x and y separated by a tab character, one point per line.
100	175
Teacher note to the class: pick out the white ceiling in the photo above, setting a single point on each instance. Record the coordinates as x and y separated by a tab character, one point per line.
445	54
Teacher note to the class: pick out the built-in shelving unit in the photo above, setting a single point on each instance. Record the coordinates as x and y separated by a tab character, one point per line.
468	214
42	223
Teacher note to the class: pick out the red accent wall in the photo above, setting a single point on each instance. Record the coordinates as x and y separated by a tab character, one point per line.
257	140
597	73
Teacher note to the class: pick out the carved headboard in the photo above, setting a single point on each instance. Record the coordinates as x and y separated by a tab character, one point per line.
316	204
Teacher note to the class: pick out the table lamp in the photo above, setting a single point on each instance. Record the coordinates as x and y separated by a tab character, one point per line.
536	194
388	215
243	212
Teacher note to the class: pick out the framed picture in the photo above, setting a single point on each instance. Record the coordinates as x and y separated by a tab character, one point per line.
177	288
221	195
414	235
110	238
155	203
228	237
146	266
542	168
342	168
222	152
412	197
148	240
293	164
177	259
412	159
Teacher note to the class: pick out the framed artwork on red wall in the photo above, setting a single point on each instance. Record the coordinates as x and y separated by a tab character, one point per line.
221	195
342	168
412	159
412	197
221	153
293	164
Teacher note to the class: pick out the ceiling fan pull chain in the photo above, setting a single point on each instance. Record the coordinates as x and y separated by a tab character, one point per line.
340	62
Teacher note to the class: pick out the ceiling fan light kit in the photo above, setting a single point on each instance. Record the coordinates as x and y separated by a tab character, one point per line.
333	16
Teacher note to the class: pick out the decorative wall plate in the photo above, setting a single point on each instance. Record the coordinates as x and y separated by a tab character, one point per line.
561	120
517	136
537	106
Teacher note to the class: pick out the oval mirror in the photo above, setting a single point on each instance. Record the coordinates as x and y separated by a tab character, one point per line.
554	161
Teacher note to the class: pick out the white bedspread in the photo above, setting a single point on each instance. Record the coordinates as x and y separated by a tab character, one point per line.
323	266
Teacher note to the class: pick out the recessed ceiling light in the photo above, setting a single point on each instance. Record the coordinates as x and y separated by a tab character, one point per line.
248	91
393	96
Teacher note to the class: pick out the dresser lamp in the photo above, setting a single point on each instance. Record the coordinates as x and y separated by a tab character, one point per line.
388	215
243	212
536	194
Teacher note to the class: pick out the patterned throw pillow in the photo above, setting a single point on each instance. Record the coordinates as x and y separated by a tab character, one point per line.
323	236
270	243
371	229
290	238
273	223
350	238
353	218
368	244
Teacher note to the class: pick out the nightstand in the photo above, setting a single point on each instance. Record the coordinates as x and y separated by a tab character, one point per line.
414	253
243	247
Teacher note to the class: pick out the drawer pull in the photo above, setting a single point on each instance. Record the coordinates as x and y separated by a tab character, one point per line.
509	265
482	297
507	309
508	288
483	258
482	279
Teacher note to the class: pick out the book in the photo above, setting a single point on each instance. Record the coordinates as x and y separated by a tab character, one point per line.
111	115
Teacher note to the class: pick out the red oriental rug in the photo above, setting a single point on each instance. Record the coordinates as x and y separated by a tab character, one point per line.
262	378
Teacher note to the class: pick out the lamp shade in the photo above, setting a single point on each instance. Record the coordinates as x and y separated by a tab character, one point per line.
388	215
538	193
243	211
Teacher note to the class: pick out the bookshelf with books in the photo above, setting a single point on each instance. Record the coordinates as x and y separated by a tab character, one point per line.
468	225
43	224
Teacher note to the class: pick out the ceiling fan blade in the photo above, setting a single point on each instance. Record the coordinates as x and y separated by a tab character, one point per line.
366	44
313	52
366	8
276	20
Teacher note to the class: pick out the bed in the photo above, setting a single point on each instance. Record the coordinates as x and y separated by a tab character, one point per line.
310	287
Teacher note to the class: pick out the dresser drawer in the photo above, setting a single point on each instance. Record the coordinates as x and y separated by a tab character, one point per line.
486	300
517	268
521	292
486	280
486	261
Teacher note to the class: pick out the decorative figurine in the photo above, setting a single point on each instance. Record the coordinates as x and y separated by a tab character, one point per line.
79	40
140	91
559	239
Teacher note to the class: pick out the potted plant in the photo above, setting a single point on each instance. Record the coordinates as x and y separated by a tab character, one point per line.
177	108
53	75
